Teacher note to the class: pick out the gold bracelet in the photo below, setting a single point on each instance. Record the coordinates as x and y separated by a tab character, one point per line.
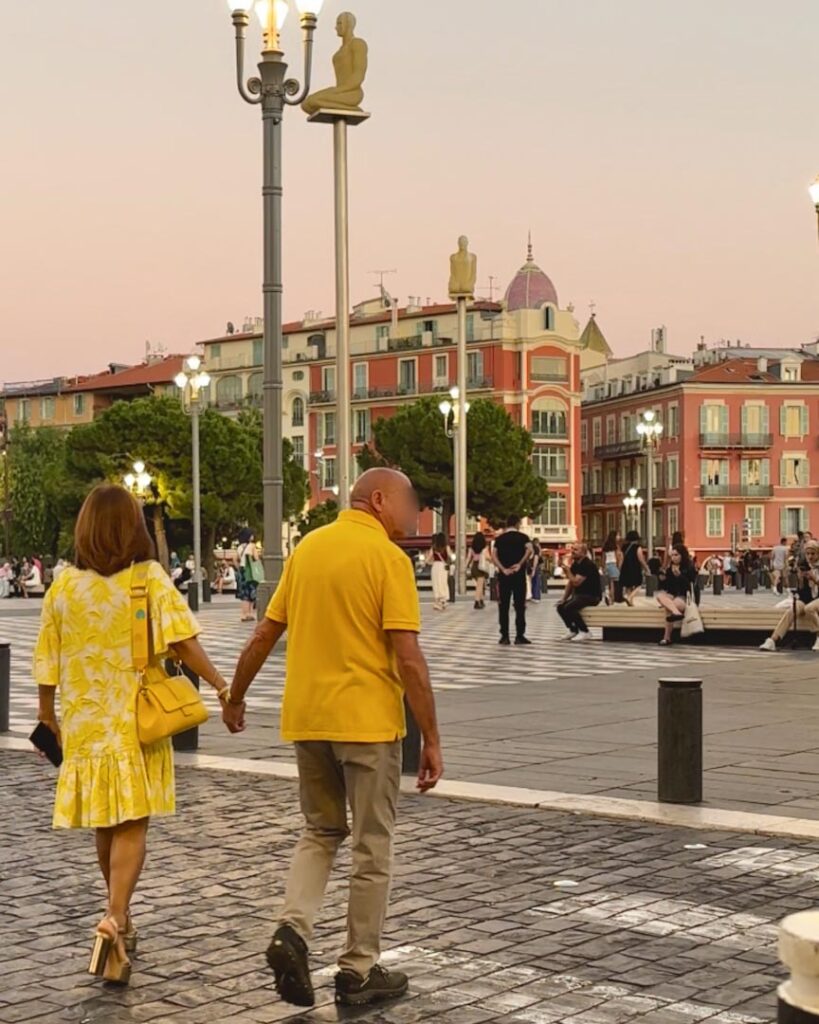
221	694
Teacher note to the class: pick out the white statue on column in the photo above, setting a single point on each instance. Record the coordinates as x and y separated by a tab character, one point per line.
463	270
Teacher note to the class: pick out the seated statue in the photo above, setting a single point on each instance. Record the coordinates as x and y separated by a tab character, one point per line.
350	64
463	269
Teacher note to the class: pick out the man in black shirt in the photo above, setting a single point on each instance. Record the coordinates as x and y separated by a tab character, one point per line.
511	553
583	590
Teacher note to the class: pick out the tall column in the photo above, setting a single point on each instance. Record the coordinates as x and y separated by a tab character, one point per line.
340	120
650	502
460	461
196	580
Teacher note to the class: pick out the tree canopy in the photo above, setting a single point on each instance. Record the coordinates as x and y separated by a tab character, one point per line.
501	479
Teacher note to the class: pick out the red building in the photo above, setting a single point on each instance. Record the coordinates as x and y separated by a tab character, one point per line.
735	455
524	353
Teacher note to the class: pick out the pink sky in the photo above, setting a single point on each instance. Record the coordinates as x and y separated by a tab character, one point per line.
660	154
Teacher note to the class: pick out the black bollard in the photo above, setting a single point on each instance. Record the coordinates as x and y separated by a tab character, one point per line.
749	584
185	742
451	581
193	596
618	592
651	585
411	746
5	686
206	591
718	585
679	741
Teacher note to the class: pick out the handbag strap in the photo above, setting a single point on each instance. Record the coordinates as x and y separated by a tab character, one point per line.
140	647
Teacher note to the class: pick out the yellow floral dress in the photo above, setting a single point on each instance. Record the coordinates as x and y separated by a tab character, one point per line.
84	648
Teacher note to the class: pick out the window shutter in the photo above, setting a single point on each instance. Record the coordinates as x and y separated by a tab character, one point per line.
783	416
743	470
782	480
723	419
804	519
765	419
744	419
783	522
704	471
803	420
703	419
804	472
765	477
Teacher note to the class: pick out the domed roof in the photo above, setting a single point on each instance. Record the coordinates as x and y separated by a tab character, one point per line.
530	287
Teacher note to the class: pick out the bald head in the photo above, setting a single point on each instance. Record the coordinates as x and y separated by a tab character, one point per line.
387	495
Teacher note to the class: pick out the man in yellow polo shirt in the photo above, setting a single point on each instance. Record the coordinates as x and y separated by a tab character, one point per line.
349	603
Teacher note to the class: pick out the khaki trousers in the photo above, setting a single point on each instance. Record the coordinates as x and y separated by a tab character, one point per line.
811	613
331	775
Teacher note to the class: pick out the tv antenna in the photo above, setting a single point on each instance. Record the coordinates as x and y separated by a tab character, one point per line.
381	275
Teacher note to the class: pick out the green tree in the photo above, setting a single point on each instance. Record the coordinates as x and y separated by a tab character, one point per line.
501	479
41	495
296	479
320	515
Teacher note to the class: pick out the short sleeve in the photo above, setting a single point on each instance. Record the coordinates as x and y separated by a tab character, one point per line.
400	608
47	648
277	609
171	619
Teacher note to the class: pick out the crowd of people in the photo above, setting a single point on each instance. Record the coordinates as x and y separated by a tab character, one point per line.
28	577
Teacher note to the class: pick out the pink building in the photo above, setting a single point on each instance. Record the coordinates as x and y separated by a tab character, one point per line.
734	463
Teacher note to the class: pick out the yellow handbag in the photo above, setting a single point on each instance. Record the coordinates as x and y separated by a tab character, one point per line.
166	705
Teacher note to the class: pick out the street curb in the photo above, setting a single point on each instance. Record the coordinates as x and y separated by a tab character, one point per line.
703	818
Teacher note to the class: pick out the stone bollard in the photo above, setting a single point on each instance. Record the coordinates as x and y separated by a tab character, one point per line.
451	581
5	686
719	582
193	596
679	741
651	585
411	746
206	591
798	997
185	742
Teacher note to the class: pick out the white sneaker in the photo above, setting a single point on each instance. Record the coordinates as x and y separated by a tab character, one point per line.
568	635
770	645
816	645
583	636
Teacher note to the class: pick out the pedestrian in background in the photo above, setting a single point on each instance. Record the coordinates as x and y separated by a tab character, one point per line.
536	571
612	560
511	553
478	565
439	557
633	566
807	599
349	603
247	574
779	561
108	781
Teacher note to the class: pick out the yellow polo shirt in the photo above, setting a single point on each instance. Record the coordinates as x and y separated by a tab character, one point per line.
342	589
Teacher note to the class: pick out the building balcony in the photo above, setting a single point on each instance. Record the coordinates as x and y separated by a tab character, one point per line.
588	500
416	341
550	378
619	449
552	435
479	384
558	476
322	397
736	490
746	440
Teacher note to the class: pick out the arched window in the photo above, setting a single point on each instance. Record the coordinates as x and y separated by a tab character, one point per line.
549	418
549	318
297	418
228	391
254	387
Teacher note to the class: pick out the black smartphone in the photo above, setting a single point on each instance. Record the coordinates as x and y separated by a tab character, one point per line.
45	740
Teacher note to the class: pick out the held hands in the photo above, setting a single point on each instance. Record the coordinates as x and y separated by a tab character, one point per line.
233	715
432	765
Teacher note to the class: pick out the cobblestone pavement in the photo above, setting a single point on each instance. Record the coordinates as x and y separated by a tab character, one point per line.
499	914
551	716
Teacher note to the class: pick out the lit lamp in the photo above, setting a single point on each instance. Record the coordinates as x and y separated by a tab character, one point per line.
633	503
650	431
272	91
191	381
137	481
814	194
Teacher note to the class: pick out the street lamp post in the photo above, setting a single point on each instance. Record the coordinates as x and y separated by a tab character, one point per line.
190	383
633	503
814	194
272	90
4	438
650	430
454	413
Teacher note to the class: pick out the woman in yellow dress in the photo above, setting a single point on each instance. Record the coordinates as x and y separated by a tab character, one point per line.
107	780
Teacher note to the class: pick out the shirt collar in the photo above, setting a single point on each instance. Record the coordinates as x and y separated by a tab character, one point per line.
354	515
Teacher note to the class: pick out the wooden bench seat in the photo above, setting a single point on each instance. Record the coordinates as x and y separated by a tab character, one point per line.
727	624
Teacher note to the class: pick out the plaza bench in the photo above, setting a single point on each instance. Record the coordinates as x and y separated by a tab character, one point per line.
724	624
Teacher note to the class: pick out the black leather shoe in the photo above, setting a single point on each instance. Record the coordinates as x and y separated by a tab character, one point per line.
287	957
521	641
381	984
504	641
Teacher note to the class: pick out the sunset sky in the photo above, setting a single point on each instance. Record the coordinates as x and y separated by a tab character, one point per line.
659	152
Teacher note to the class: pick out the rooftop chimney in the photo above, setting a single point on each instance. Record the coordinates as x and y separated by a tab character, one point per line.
762	364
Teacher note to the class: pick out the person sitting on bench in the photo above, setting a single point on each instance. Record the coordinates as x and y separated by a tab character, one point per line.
583	590
807	598
676	580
